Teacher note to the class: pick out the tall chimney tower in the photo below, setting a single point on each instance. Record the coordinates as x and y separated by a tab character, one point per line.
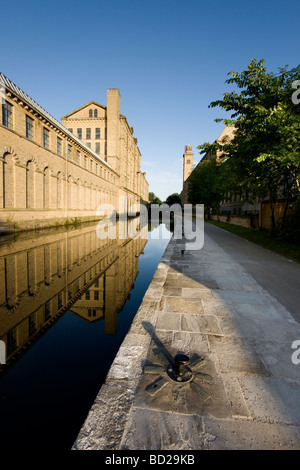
113	128
187	162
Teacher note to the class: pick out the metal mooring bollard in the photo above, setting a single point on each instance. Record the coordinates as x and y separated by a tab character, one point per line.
181	360
180	372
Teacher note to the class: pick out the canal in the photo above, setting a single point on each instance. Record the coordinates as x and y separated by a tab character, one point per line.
67	300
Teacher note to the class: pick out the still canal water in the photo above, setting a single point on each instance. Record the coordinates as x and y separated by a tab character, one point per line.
67	299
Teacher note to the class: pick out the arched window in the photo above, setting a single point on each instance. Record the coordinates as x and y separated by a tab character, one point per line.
59	190
95	113
30	185
70	195
8	181
46	185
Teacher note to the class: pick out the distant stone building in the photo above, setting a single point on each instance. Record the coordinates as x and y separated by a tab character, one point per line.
49	175
187	170
236	208
225	135
232	204
106	131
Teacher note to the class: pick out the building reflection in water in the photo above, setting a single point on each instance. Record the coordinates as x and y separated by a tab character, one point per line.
45	275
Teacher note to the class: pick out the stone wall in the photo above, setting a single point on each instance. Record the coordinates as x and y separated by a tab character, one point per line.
266	213
243	221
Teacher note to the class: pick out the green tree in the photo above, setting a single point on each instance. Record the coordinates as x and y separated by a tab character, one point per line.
206	185
153	199
264	154
173	199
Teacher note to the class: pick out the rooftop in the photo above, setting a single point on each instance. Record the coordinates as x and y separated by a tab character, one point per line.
4	81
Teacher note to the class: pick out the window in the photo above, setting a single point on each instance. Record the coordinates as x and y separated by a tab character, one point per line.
59	300
105	149
97	133
11	340
70	130
47	310
46	138
97	148
96	295
87	295
85	159
91	165
90	113
88	133
31	324
92	312
106	133
29	128
7	114
69	152
59	145
78	157
95	113
96	168
79	133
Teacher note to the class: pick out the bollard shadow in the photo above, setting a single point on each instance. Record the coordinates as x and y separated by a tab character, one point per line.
161	351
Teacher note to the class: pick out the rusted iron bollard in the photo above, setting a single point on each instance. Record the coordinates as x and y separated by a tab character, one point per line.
181	360
179	371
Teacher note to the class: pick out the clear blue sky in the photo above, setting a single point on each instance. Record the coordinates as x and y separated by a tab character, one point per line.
168	58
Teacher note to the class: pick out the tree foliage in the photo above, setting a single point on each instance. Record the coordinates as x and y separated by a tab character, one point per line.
264	154
205	185
153	199
173	199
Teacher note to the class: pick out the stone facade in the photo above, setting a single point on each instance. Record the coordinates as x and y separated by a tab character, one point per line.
108	133
48	175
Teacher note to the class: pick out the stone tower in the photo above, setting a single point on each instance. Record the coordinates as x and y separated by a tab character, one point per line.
187	162
113	128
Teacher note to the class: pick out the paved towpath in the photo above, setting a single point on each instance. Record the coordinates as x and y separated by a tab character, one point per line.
279	276
244	389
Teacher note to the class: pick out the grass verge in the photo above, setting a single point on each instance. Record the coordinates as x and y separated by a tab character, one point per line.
262	238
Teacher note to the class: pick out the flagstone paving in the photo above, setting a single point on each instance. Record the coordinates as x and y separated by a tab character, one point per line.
244	390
